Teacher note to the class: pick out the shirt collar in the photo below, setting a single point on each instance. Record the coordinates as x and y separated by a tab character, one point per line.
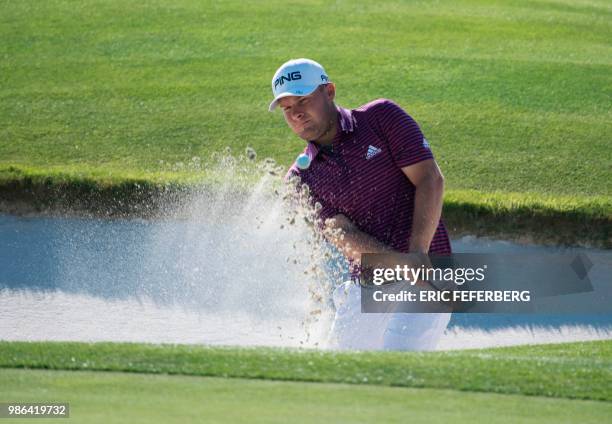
347	122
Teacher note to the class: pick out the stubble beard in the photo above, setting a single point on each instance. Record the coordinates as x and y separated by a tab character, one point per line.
317	134
329	127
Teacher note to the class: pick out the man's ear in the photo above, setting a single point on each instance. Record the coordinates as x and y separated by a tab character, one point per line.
330	90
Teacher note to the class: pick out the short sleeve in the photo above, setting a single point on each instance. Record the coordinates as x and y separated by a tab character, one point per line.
403	135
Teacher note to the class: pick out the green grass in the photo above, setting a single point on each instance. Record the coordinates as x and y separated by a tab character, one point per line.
573	370
513	95
97	397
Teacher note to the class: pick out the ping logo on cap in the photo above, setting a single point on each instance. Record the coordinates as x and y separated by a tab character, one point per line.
291	76
297	77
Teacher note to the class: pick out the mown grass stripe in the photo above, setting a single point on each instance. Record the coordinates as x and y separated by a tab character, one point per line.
572	370
109	397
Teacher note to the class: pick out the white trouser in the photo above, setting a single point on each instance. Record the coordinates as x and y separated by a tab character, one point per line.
353	329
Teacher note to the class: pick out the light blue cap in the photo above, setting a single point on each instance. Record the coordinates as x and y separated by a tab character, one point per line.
297	77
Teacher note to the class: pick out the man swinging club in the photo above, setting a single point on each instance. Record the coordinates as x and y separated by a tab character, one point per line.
376	179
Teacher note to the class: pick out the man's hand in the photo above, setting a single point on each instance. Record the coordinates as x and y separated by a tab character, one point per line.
352	243
429	183
350	240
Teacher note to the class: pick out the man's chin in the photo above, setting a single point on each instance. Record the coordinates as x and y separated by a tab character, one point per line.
309	134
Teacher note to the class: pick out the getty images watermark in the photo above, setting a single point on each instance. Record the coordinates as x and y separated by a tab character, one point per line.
464	282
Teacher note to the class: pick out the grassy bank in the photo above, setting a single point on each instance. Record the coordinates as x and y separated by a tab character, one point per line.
99	397
572	370
512	95
568	220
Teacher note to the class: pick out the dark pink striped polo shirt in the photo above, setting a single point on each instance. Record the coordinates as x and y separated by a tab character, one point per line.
360	176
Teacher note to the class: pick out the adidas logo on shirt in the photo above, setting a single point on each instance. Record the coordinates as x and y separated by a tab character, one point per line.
372	151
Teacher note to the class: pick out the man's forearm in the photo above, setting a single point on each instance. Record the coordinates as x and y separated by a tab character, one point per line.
352	243
350	240
427	211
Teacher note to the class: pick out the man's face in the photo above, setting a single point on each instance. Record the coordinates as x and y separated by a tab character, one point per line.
310	116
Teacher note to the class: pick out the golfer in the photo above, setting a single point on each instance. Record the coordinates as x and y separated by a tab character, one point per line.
376	179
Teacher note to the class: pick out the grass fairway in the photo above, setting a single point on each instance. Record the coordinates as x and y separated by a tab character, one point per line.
100	397
513	95
569	370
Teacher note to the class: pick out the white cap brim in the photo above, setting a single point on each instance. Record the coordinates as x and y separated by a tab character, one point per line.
295	91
